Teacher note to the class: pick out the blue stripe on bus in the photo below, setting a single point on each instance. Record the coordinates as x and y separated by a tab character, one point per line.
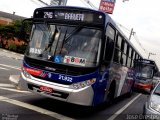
99	88
63	77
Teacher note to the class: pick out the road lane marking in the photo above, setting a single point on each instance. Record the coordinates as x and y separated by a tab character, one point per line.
14	90
14	67
14	79
3	68
6	85
18	95
34	108
122	109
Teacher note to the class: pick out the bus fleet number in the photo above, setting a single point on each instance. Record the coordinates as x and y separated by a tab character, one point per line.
65	78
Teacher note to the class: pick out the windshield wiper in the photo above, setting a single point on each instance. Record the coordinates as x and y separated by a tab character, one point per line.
76	30
52	38
67	38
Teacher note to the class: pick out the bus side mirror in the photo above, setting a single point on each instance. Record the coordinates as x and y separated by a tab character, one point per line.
26	29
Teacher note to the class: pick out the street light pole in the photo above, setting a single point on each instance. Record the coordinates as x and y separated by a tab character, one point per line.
150	54
131	33
125	0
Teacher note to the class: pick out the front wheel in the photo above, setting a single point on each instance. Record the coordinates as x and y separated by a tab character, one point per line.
110	96
129	94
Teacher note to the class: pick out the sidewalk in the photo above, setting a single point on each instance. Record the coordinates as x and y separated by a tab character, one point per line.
14	79
11	54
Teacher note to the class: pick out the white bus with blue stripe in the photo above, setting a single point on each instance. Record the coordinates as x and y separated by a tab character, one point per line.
77	55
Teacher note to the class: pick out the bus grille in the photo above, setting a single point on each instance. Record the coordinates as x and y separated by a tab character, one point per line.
53	94
51	80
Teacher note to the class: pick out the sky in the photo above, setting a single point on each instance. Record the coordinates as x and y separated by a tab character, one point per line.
141	15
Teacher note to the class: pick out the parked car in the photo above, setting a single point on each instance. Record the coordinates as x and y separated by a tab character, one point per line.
152	106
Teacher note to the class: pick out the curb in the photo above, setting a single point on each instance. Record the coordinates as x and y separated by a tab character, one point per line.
12	55
14	79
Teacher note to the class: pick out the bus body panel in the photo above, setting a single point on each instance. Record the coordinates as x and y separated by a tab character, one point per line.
100	88
123	77
92	95
58	77
59	85
61	92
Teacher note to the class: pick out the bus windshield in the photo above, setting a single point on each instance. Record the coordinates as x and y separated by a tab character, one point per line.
64	44
144	71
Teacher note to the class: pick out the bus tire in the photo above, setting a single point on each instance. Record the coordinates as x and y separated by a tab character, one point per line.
111	93
129	94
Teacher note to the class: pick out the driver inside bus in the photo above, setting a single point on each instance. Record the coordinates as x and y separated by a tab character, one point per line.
90	45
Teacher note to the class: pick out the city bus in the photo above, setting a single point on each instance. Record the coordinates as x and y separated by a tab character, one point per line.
77	55
145	70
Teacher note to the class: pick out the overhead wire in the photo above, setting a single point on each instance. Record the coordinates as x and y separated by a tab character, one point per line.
128	30
139	43
89	4
39	1
35	2
135	36
86	4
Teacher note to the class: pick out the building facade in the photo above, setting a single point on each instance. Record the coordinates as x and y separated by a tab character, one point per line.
6	18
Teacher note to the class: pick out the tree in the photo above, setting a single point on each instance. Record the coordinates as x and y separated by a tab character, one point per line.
17	27
10	31
6	33
17	30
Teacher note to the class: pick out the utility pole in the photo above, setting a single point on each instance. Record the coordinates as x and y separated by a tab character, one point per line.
43	2
90	4
151	54
132	33
58	2
125	0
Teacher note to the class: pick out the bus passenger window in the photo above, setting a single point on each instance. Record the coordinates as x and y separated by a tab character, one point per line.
122	46
132	63
125	48
133	55
109	46
129	62
117	56
130	52
123	62
109	49
118	42
110	32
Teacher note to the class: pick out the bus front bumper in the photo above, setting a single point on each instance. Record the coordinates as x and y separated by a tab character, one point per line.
83	96
144	87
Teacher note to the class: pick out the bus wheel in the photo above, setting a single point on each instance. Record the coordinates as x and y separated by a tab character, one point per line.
129	94
111	92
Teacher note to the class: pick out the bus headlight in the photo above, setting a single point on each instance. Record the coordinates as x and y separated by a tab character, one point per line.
25	73
83	84
155	106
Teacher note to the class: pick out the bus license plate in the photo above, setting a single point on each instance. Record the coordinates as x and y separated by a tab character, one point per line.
46	89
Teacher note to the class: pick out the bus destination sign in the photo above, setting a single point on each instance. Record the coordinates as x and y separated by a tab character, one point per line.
69	15
145	61
63	15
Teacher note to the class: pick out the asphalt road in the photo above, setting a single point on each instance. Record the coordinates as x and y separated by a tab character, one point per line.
22	105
